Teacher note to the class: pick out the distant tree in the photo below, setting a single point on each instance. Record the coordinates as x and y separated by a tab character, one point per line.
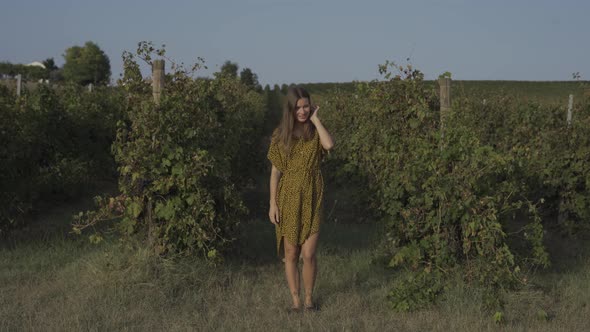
6	68
87	64
250	79
33	72
56	75
49	64
284	88
274	105
229	69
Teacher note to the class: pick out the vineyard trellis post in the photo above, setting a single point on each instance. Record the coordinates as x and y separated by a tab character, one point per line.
562	215
157	80
570	106
445	102
158	73
19	83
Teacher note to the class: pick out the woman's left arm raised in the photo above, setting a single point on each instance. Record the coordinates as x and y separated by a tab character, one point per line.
325	138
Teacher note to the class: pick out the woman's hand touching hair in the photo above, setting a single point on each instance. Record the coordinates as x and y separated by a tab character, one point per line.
314	114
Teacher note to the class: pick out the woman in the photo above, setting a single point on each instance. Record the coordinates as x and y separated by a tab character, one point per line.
296	189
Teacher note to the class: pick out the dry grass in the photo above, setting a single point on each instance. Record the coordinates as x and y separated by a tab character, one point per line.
61	284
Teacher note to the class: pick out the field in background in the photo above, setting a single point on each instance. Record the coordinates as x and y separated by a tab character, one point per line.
543	92
540	91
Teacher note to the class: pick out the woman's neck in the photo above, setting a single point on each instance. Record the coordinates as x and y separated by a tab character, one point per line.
298	129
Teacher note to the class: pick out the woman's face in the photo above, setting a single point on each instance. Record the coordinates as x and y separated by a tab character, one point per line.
302	110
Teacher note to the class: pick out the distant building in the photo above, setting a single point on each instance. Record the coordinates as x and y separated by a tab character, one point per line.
36	64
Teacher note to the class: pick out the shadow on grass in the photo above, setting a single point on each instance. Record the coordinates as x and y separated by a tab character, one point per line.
257	241
51	225
567	252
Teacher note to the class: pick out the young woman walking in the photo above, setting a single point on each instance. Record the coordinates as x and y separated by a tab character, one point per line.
296	189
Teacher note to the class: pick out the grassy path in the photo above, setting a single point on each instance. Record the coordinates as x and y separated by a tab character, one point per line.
57	283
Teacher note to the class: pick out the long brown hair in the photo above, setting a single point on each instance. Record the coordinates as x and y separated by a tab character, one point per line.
285	128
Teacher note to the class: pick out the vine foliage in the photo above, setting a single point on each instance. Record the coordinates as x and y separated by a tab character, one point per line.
179	182
448	201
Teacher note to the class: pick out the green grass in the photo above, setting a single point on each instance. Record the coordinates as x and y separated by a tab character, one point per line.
55	282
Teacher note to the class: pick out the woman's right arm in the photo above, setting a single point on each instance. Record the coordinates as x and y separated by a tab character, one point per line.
273	213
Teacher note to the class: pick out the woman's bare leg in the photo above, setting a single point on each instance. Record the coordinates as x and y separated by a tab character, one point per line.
309	266
291	271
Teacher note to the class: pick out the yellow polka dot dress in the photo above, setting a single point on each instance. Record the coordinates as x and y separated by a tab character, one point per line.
300	190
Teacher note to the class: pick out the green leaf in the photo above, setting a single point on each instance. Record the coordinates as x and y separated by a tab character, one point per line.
134	209
212	254
542	315
498	317
95	238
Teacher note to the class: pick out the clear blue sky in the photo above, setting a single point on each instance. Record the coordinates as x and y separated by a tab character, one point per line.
317	41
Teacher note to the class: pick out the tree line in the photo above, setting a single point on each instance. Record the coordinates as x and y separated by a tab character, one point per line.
83	65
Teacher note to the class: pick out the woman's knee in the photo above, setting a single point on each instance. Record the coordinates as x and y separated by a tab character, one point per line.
308	256
291	253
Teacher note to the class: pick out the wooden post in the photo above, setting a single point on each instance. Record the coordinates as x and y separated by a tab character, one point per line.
570	106
157	88
90	87
445	101
19	82
157	79
562	214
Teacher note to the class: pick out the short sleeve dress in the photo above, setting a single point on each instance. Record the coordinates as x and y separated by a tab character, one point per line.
300	190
